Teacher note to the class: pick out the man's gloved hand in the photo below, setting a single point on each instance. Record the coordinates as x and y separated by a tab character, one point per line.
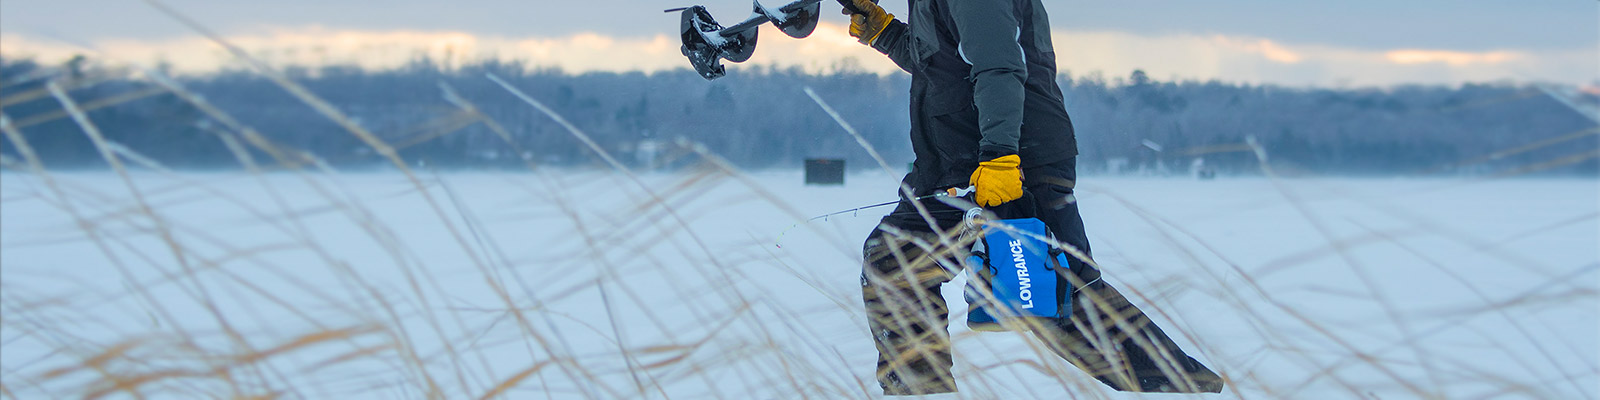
998	181
868	22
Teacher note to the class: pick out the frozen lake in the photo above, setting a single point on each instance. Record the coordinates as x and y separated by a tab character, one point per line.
586	284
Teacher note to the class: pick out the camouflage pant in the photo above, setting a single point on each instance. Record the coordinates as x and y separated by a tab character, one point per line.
907	314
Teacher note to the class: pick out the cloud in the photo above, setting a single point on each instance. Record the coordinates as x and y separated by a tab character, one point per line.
1266	48
1449	57
1175	56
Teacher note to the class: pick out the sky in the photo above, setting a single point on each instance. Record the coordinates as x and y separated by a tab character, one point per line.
1288	42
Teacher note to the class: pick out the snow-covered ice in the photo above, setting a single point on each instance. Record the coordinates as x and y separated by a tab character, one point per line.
375	285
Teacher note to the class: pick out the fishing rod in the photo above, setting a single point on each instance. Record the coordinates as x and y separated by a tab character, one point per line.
951	192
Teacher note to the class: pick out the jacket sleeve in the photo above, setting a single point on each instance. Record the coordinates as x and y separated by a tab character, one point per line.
989	31
895	41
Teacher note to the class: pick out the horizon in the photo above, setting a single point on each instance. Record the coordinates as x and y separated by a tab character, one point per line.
1113	79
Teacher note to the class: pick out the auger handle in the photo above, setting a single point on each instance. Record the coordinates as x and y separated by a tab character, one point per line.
851	6
753	22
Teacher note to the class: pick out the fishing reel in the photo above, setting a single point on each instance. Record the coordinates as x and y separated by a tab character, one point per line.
707	43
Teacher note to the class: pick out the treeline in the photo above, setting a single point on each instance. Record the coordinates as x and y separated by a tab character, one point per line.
761	118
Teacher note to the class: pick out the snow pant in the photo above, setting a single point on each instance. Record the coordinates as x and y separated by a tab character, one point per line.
1105	335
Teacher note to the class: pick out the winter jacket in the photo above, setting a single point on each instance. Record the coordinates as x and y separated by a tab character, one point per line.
982	86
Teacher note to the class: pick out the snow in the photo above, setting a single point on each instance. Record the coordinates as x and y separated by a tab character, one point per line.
1298	288
775	15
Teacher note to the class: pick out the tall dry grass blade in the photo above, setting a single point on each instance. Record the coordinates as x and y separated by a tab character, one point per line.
1556	163
1569	99
38	74
454	98
353	355
303	341
91	106
435	129
1550	227
634	368
97	362
136	158
132	385
1514	96
860	140
512	382
12	99
1500	154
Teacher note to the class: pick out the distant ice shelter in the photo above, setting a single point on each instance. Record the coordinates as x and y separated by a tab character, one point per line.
825	171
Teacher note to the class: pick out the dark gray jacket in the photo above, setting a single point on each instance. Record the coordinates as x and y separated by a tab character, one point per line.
983	85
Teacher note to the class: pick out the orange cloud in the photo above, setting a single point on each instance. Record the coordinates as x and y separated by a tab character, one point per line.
1266	48
1456	58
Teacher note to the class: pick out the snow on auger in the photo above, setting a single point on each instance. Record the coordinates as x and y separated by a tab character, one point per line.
706	43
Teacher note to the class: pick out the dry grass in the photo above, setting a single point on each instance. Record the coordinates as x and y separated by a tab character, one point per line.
353	335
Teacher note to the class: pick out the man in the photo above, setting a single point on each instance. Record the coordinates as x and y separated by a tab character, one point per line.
986	112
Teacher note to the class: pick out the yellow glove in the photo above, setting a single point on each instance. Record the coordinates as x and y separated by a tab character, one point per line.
868	22
998	181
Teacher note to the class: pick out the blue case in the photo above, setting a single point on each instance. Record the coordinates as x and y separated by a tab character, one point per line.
1020	272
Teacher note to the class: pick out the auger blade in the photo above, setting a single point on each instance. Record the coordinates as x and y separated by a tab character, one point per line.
797	19
740	45
703	52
